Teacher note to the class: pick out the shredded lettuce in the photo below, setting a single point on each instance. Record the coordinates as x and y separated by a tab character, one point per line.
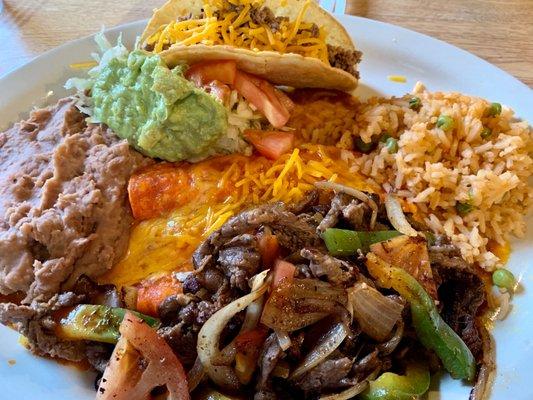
106	52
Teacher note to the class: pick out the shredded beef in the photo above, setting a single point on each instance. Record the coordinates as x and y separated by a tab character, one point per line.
462	295
270	355
322	265
293	232
348	208
35	322
229	257
346	60
325	375
265	16
240	260
182	338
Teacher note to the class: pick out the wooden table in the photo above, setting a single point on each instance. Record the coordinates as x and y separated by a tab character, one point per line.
500	31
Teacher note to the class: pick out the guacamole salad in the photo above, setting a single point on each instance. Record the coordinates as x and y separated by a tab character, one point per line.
161	113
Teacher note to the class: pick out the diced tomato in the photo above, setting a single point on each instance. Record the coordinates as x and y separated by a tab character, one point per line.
283	271
269	249
275	95
250	339
152	292
284	100
271	144
248	345
139	344
208	71
262	95
220	90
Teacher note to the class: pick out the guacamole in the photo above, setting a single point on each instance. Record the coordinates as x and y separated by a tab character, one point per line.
156	109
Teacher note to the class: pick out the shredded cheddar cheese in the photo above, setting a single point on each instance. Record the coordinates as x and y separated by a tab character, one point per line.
223	24
234	183
83	65
397	78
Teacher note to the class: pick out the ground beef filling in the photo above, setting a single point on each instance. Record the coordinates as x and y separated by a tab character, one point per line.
344	59
265	16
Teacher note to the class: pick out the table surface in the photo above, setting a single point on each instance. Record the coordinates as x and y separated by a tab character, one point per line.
500	31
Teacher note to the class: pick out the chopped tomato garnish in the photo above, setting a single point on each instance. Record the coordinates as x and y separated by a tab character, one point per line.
262	95
152	292
269	249
248	346
206	72
141	362
284	100
220	90
283	271
271	144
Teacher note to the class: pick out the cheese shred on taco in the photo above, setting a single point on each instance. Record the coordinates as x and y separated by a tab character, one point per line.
289	42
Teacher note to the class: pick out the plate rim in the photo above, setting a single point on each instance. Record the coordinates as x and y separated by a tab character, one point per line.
525	90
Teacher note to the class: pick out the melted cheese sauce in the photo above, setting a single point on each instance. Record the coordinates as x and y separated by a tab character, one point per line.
222	187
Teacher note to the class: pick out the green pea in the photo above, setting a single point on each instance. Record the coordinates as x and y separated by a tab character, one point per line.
463	208
392	145
431	238
493	110
362	146
415	103
384	137
504	278
485	133
445	122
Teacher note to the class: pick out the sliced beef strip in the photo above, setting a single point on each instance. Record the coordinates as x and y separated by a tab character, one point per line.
322	265
98	355
462	295
35	322
344	59
239	259
444	254
326	375
182	339
348	208
307	204
270	355
293	232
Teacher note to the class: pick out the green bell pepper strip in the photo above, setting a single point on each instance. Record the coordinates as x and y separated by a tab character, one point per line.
390	386
431	329
97	323
343	242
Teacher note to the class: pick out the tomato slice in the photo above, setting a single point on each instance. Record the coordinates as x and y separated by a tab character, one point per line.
262	95
276	96
248	348
284	100
283	271
271	144
208	71
220	90
142	361
153	291
269	249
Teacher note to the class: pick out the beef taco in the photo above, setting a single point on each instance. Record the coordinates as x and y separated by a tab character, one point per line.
289	42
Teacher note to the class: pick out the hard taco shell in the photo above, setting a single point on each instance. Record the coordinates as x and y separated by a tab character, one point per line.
282	69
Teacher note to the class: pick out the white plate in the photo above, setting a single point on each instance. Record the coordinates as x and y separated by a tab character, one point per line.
388	50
